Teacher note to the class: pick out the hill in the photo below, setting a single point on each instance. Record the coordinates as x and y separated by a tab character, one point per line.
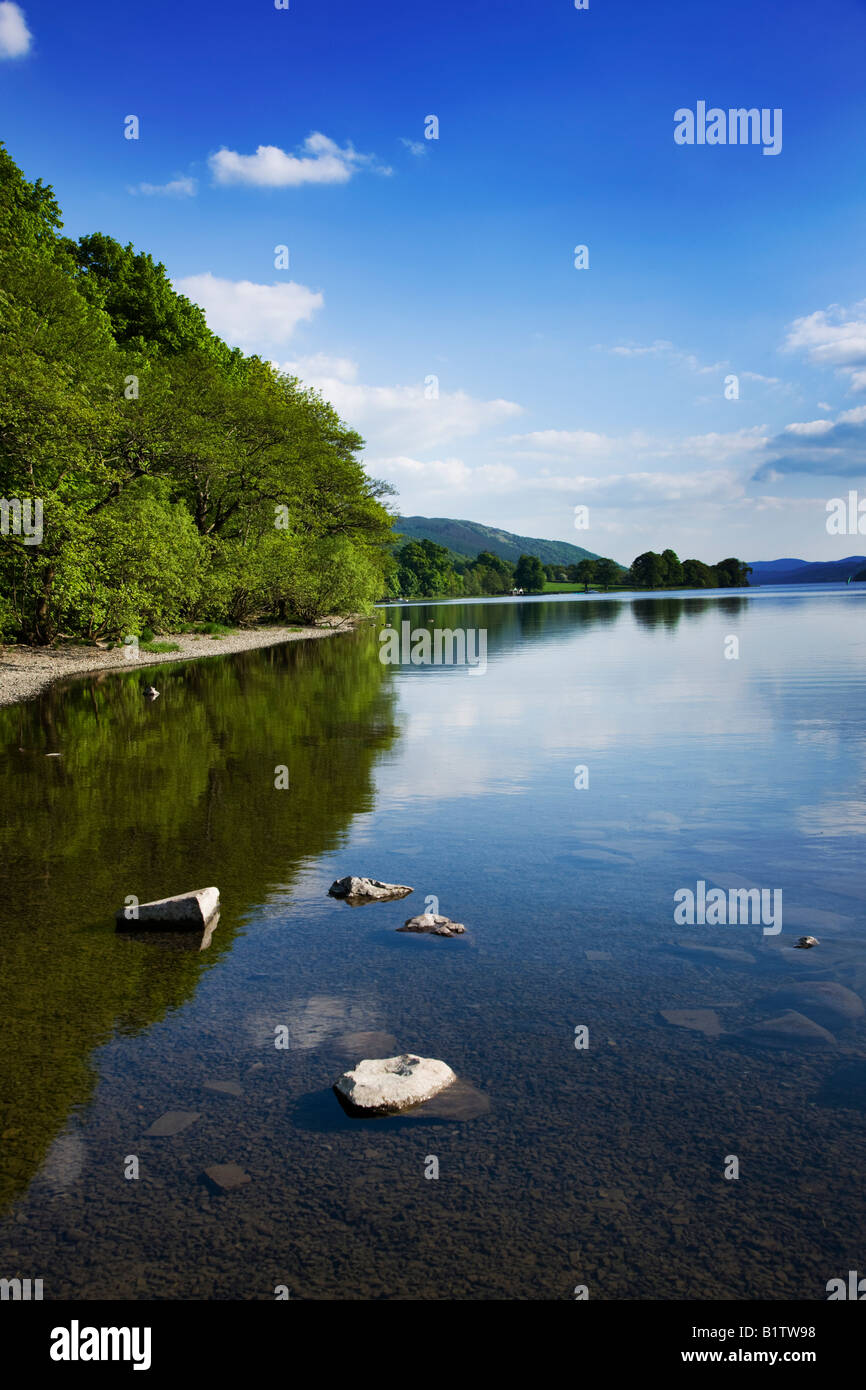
467	538
805	571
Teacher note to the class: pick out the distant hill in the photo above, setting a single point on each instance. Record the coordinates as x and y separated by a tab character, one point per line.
806	571
467	538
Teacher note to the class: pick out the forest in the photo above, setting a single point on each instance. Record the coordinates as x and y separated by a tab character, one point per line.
175	480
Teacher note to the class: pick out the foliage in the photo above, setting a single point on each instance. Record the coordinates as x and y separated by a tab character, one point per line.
179	480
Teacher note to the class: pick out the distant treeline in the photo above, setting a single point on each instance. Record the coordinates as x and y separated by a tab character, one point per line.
149	475
423	569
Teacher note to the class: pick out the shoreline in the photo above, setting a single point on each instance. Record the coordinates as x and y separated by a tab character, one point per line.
25	672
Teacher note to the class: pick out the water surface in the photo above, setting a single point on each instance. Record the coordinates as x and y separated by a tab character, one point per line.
558	1166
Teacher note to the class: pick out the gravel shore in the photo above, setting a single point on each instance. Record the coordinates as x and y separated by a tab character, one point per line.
26	671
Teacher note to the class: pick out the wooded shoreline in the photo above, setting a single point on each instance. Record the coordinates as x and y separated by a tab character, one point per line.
25	672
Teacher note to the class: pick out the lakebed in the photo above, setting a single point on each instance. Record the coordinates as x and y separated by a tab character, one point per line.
608	1064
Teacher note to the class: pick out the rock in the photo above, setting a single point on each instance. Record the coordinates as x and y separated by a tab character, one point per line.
433	925
172	1122
788	1030
367	890
806	941
822	999
385	1085
226	1176
173	938
187	911
697	1020
226	1088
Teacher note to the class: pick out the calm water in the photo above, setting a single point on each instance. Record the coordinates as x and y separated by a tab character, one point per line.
558	1166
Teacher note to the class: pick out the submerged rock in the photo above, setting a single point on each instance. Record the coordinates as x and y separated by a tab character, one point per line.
790	1029
822	999
697	1020
433	924
385	1085
172	1122
226	1176
188	911
367	890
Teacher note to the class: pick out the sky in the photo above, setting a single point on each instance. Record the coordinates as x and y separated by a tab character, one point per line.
698	381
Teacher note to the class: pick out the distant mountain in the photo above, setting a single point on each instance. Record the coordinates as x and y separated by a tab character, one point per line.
467	538
806	571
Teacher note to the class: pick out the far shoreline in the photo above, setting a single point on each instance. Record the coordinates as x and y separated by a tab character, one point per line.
26	672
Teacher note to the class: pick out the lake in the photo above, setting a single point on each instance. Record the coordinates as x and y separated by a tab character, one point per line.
624	1122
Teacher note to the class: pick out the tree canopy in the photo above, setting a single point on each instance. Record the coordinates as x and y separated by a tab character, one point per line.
178	479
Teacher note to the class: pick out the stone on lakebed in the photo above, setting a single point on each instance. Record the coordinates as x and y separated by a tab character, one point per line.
789	1029
355	889
826	1001
385	1085
188	911
225	1177
433	924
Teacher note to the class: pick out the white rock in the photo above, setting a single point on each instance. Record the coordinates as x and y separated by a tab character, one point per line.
367	888
432	923
387	1084
187	910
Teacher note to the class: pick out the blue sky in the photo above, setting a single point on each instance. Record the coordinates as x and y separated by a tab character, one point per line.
412	259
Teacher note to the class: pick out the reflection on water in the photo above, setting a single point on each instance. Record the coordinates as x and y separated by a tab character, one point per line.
558	1165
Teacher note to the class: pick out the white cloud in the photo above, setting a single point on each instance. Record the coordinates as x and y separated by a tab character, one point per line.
445	475
319	366
416	147
756	376
322	161
587	445
809	427
401	419
642	489
247	315
662	348
833	337
15	37
177	188
541	444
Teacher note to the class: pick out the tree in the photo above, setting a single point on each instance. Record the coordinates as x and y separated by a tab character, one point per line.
529	574
672	570
647	570
733	574
606	573
178	478
697	575
585	573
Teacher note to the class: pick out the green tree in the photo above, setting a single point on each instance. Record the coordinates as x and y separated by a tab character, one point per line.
697	575
672	570
529	574
647	570
585	573
607	572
